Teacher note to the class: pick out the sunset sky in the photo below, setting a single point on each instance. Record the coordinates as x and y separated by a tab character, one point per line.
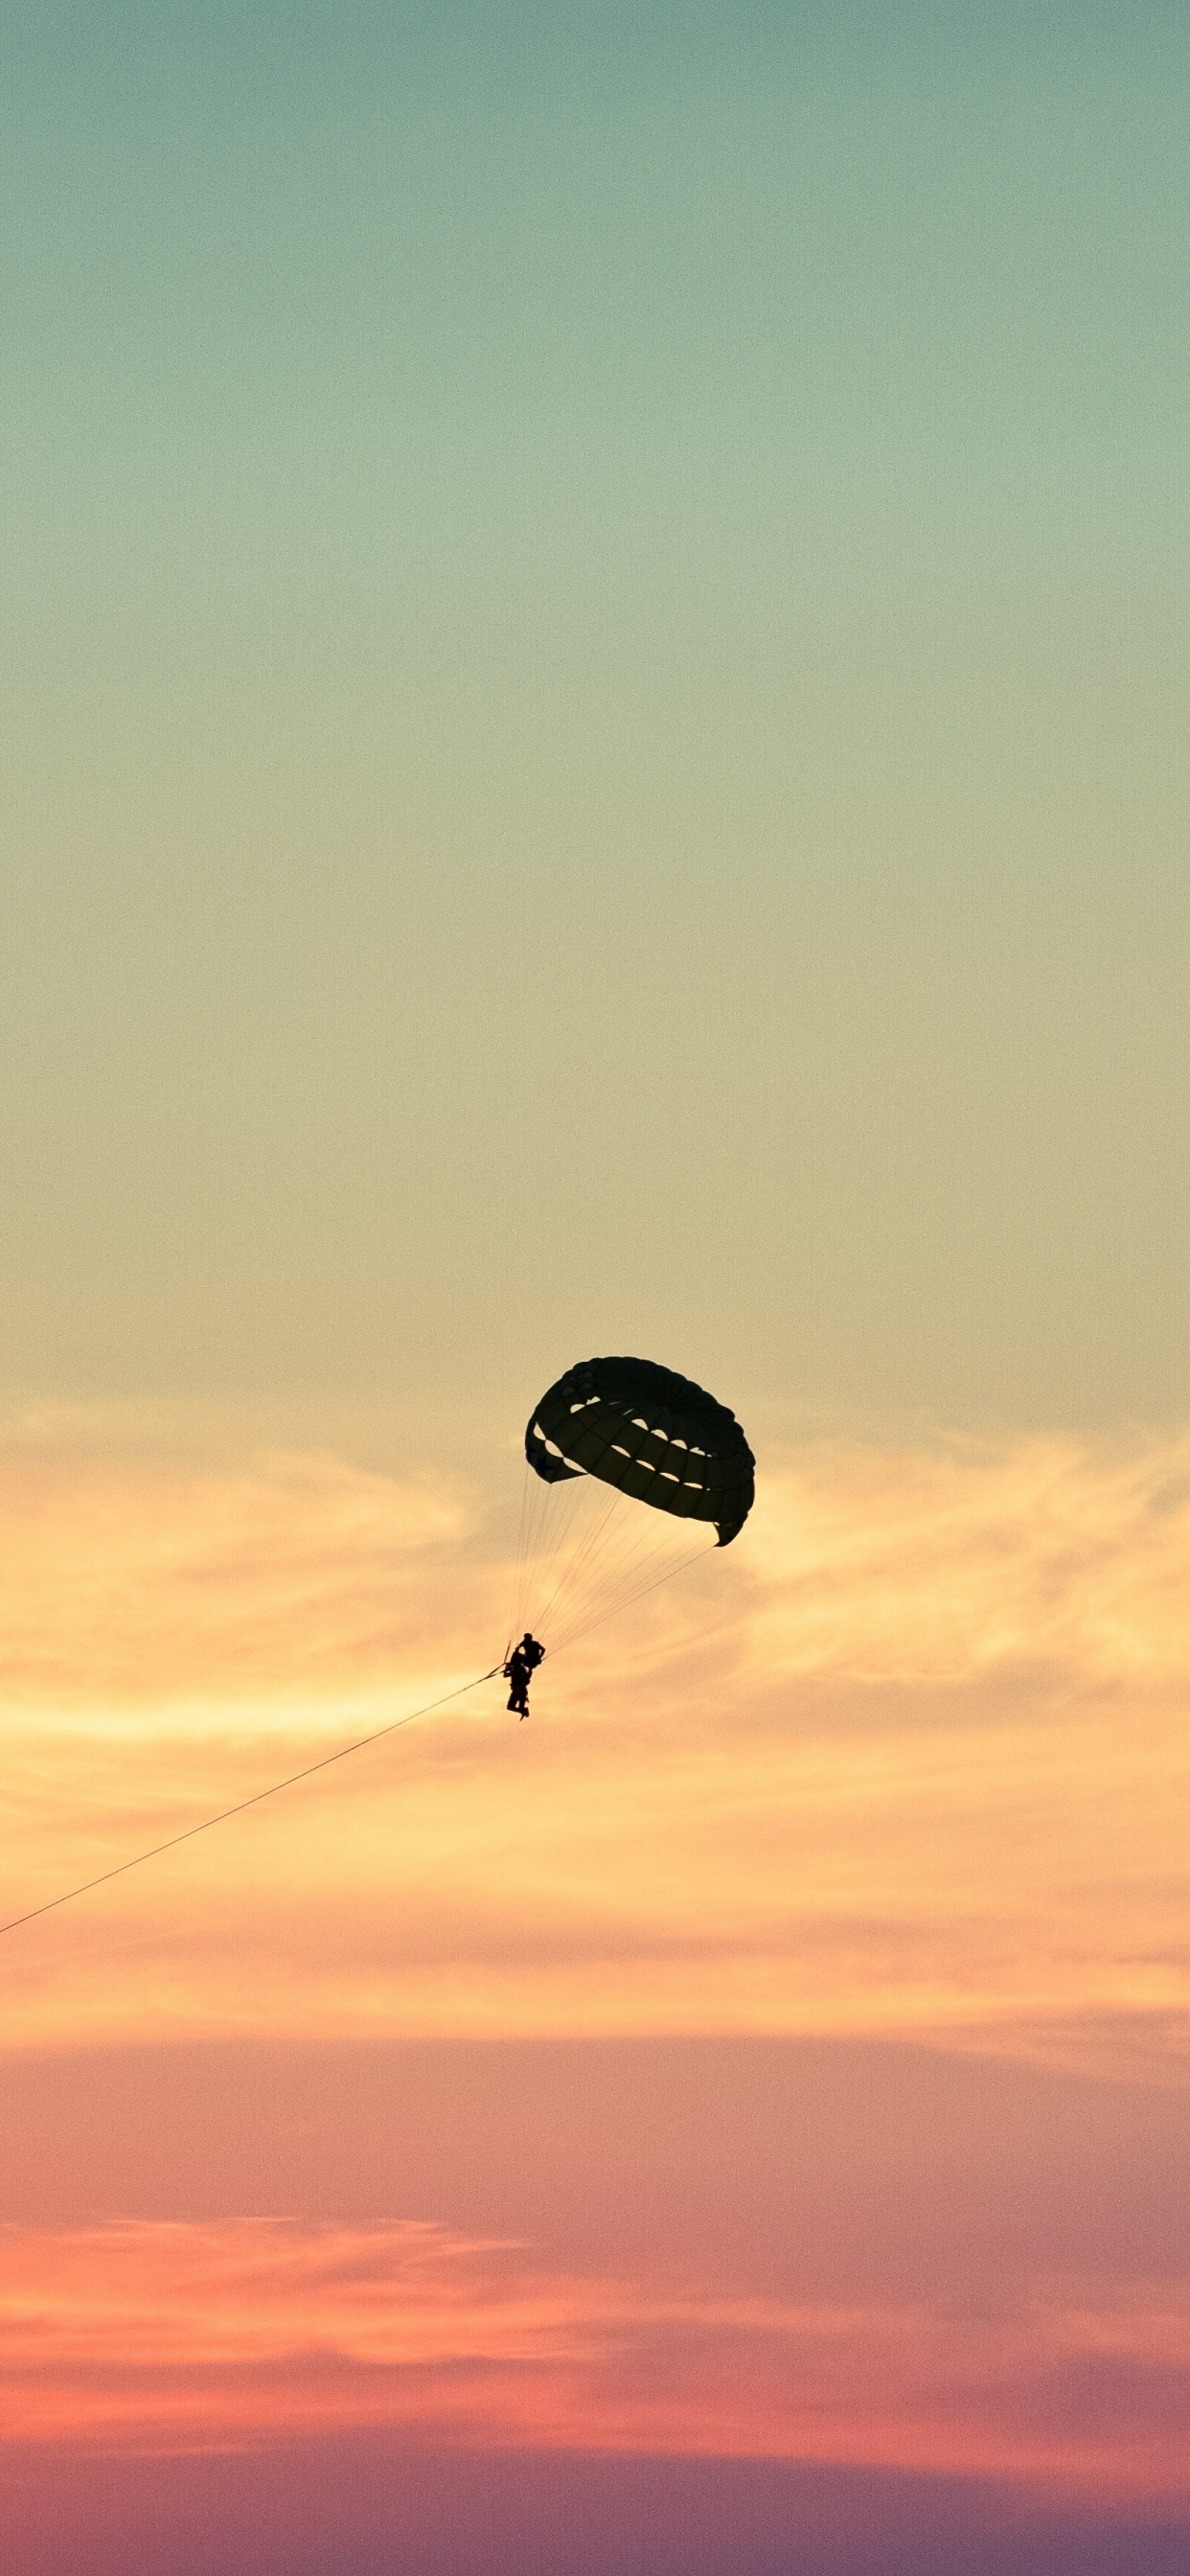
594	667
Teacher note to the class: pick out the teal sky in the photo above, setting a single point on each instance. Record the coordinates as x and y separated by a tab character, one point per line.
595	673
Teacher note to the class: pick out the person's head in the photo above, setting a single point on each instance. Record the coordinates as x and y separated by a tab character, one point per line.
527	1639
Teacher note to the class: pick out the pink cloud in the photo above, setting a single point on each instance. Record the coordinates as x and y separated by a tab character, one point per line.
147	2337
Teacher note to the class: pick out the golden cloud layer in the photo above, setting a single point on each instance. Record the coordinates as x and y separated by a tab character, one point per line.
942	1565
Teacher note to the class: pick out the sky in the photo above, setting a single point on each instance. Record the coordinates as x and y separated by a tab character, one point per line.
594	663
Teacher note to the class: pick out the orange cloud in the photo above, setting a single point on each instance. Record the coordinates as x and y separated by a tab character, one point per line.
910	1757
130	1580
941	1565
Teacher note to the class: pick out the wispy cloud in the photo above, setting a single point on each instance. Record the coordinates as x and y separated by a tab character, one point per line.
129	1581
944	1564
127	1576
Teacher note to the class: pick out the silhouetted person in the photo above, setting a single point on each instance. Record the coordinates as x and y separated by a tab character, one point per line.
519	1670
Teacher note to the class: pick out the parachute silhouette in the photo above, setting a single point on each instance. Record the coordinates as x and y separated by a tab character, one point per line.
650	1436
650	1433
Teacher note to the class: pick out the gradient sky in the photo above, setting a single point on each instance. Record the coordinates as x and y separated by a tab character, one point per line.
595	607
594	668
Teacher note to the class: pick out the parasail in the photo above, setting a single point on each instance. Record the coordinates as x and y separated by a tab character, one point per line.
625	1432
650	1433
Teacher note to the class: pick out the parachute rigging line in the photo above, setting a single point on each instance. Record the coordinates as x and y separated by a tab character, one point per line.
583	1557
225	1813
645	1436
612	1608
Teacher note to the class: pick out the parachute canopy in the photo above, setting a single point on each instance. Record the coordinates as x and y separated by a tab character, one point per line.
650	1433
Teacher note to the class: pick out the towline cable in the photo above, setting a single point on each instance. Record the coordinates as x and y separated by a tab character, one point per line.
242	1804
